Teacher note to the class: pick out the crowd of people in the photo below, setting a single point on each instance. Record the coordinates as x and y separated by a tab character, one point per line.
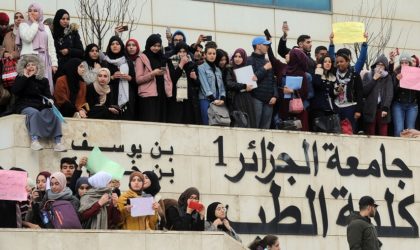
181	83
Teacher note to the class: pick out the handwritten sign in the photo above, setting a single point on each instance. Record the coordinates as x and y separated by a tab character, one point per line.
348	32
142	206
13	185
410	78
99	162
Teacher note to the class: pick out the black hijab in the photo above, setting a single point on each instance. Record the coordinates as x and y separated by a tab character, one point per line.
157	60
73	78
181	45
211	214
109	52
154	183
58	30
183	198
90	62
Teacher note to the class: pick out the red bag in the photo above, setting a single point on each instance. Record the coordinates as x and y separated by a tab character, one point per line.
296	104
346	127
9	72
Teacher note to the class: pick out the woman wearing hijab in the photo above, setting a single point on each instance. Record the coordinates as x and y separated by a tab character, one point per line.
70	90
37	196
183	106
36	39
91	63
238	94
58	191
148	222
182	217
98	206
30	89
152	187
154	81
66	38
11	50
97	96
123	84
297	66
217	220
132	49
82	186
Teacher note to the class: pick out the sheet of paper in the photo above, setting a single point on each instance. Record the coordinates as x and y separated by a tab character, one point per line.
293	82
142	206
13	185
99	162
349	32
410	78
244	75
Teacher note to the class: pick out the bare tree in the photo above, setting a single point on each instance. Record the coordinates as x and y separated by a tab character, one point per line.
378	38
97	18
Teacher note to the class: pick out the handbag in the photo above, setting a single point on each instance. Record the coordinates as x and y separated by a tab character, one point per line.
218	115
9	72
328	124
346	127
240	119
295	125
296	104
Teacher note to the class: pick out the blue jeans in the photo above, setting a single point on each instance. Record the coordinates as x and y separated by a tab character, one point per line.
263	113
404	115
204	107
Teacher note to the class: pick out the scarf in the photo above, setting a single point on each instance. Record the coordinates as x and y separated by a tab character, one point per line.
100	220
244	58
102	90
58	30
90	62
39	41
154	183
133	57
66	194
157	60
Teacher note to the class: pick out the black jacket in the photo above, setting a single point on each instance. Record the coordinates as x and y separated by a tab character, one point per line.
323	99
362	234
267	87
186	222
73	43
28	92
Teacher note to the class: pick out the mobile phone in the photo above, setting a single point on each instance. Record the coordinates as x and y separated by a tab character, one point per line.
195	205
267	34
208	38
125	27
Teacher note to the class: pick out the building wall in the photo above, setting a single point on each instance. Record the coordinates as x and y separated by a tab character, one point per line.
234	26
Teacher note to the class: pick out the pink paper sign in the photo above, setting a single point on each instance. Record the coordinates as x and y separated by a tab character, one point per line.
13	185
410	78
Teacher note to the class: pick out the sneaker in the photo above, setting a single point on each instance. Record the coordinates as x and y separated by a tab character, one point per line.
35	145
77	115
59	147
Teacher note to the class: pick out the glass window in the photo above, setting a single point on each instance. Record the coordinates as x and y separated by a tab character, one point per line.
316	5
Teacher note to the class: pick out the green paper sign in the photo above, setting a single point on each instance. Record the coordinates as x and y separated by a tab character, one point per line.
99	162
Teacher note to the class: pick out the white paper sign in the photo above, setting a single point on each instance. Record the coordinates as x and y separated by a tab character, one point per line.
244	75
142	206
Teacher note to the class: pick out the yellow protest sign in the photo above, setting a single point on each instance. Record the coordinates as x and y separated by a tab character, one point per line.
349	32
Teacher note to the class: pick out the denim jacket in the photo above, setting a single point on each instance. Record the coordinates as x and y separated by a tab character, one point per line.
208	82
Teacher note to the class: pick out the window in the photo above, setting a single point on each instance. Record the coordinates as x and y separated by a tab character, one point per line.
310	5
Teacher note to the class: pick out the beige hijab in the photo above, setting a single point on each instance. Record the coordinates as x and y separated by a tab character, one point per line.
102	90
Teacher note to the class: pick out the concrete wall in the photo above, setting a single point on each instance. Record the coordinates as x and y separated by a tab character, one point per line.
11	239
195	154
234	26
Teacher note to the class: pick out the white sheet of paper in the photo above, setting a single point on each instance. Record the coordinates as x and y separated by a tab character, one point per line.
244	75
142	206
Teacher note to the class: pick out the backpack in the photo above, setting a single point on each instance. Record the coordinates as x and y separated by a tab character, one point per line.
60	214
9	72
239	119
218	115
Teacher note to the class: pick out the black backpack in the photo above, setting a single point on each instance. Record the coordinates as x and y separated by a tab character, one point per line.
239	119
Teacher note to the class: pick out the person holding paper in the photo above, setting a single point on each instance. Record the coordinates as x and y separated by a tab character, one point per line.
296	67
405	104
98	206
266	93
348	90
238	94
378	90
34	100
148	222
